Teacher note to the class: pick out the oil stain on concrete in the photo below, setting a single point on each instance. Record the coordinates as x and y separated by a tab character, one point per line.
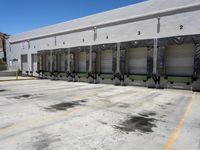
6	126
28	96
137	123
43	141
147	114
3	90
22	96
123	105
65	105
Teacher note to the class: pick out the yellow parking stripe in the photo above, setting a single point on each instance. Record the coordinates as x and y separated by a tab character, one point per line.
176	132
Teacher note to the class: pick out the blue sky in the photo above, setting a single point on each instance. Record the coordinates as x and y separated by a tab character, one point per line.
24	15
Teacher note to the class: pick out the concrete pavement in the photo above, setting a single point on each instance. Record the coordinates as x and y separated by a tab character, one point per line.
43	114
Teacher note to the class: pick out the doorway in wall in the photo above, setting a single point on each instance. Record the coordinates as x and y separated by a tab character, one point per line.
24	64
34	64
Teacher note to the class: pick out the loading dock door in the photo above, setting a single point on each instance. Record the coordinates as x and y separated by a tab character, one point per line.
58	62
106	61
63	60
72	62
137	60
180	60
34	64
24	63
82	62
48	62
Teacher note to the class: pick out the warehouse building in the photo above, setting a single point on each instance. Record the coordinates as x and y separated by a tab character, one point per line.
3	37
155	43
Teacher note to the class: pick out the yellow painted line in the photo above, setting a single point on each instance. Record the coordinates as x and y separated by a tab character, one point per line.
176	132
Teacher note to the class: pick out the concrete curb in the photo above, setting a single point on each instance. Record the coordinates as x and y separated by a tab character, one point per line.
17	80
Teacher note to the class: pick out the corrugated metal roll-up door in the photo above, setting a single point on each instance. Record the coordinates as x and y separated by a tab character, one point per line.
180	60
44	62
72	62
24	63
66	62
82	59
48	62
106	61
62	61
137	60
161	61
58	61
122	61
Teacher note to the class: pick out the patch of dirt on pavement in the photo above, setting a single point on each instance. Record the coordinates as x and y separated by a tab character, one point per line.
162	107
123	105
102	122
2	90
147	114
137	123
22	96
169	104
26	96
43	141
5	126
65	105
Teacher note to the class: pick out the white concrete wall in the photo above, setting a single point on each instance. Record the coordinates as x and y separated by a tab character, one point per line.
144	8
127	31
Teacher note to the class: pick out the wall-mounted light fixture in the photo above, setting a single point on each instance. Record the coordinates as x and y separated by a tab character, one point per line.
95	33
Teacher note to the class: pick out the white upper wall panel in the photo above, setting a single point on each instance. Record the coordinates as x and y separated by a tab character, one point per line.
170	25
136	10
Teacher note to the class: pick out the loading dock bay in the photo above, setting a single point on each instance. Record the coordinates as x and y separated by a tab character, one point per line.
44	114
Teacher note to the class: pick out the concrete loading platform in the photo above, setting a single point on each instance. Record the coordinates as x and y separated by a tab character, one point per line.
44	114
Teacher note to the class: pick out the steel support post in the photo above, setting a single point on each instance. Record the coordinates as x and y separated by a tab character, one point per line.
51	61
68	60
118	58
90	59
155	56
